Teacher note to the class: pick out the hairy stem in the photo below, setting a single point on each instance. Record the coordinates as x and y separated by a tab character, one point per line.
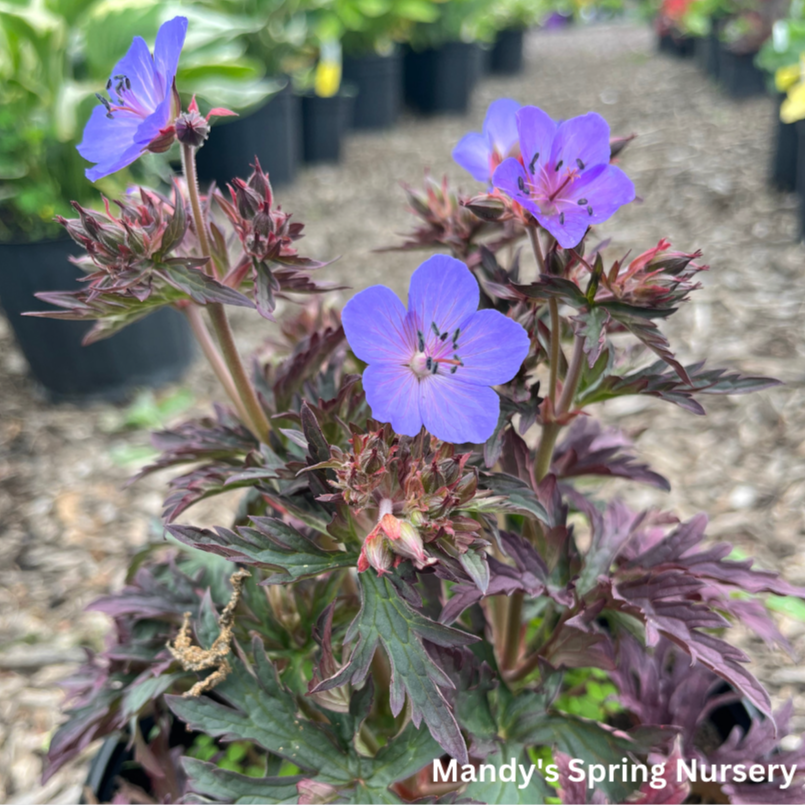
542	463
533	236
556	330
511	644
572	378
257	420
213	356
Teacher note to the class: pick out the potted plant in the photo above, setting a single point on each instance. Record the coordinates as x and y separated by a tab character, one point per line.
669	27
442	61
42	105
741	37
510	20
372	63
779	58
417	597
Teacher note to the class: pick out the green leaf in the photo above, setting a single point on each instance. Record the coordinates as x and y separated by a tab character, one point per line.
228	786
140	694
269	543
591	326
498	790
386	619
200	287
263	711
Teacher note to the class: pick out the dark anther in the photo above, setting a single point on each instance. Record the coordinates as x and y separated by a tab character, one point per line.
559	164
443	336
562	218
456	333
105	103
456	358
582	201
533	163
521	184
128	83
435	367
589	210
421	340
109	84
435	328
453	369
429	363
580	164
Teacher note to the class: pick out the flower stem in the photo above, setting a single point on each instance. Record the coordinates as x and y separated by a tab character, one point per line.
511	644
572	377
257	420
553	307
533	236
542	462
213	356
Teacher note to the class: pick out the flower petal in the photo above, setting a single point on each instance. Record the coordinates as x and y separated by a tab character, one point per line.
605	188
392	392
105	138
568	230
168	48
444	292
375	325
500	125
508	176
492	347
536	130
473	154
458	412
582	142
138	66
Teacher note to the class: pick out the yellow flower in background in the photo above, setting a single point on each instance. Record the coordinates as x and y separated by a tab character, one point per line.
791	79
327	79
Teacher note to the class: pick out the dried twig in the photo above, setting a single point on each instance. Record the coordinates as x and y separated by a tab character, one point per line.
195	658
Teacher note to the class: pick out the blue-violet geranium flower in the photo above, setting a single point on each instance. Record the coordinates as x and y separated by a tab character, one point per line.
563	177
139	113
480	153
433	364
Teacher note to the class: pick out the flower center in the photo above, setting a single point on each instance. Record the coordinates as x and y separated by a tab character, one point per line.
436	354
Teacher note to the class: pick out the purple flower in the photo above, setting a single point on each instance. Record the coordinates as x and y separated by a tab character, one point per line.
564	180
139	113
433	364
480	154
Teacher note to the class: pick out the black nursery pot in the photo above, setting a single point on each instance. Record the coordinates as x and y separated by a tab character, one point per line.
378	81
706	49
272	134
800	183
785	153
738	74
506	57
440	79
324	121
151	352
682	47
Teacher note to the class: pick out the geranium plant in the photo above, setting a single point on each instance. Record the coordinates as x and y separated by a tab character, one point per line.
422	595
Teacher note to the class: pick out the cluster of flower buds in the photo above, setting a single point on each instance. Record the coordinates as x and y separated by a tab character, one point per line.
266	234
148	226
418	494
657	279
447	221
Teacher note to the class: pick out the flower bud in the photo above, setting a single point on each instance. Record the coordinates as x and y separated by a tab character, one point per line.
487	208
163	141
246	199
409	544
375	553
192	129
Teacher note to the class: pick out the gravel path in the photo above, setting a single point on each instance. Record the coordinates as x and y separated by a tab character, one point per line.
68	525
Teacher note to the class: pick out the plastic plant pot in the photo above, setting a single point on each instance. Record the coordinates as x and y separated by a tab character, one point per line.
739	76
800	182
440	80
506	57
324	121
151	352
378	81
682	47
272	134
784	153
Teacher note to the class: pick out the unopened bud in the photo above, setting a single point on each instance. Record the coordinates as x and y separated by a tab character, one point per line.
409	544
259	182
375	553
487	208
248	202
192	129
163	141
